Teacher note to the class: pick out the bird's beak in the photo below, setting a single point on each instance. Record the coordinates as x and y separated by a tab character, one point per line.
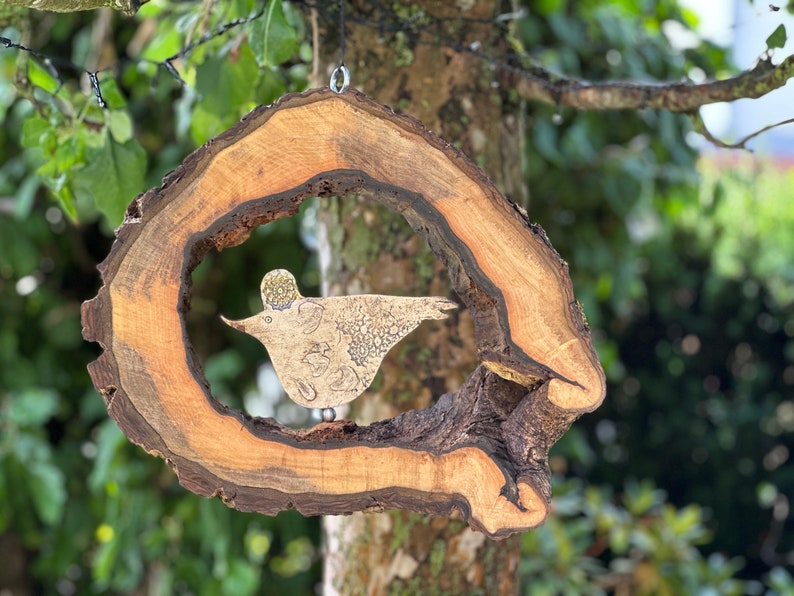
234	324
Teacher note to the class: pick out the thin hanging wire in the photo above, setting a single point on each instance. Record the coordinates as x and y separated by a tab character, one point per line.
342	46
341	70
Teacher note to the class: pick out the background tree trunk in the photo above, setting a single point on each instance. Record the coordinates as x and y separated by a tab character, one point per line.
368	249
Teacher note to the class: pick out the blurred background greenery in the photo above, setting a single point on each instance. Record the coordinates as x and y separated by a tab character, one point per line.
681	481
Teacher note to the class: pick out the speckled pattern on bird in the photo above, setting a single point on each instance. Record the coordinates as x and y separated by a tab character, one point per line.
326	351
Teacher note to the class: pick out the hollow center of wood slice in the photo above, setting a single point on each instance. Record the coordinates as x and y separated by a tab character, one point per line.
239	369
226	282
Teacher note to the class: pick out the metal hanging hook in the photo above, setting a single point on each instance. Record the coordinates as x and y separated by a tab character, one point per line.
334	84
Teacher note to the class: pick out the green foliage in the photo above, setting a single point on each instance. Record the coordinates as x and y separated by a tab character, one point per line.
30	474
100	513
744	217
93	159
273	38
708	364
777	38
113	170
97	513
689	294
628	162
637	544
86	156
686	284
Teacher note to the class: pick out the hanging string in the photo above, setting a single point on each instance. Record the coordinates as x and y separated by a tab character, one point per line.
342	46
341	70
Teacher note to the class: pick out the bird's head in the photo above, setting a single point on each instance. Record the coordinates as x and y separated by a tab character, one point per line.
279	289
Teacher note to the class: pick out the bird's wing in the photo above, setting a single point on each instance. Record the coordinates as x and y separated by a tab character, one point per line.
407	309
310	314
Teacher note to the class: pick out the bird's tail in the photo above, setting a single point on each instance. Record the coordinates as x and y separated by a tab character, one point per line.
438	308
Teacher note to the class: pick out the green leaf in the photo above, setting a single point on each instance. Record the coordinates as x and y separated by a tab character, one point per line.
6	507
226	88
270	87
108	441
41	77
273	39
33	407
120	125
34	129
105	558
241	578
47	489
113	177
777	39
223	366
166	42
68	153
226	84
26	193
64	195
204	125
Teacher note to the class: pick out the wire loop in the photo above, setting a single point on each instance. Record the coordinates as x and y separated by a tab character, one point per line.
334	84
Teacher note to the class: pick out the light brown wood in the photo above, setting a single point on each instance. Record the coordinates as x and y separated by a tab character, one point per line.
326	351
481	451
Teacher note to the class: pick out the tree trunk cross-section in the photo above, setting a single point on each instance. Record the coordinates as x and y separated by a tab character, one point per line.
480	452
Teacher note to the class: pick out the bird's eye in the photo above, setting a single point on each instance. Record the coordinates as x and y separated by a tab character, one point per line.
268	319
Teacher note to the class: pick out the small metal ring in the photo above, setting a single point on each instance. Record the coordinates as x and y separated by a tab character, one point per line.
341	69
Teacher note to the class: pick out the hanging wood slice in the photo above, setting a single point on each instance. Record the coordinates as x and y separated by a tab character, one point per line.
481	452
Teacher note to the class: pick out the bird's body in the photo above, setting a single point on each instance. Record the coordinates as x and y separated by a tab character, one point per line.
326	351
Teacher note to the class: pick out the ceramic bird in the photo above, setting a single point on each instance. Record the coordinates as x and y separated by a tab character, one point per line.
326	351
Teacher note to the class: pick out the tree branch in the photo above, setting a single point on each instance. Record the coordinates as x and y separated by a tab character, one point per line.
542	85
128	6
534	83
700	128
